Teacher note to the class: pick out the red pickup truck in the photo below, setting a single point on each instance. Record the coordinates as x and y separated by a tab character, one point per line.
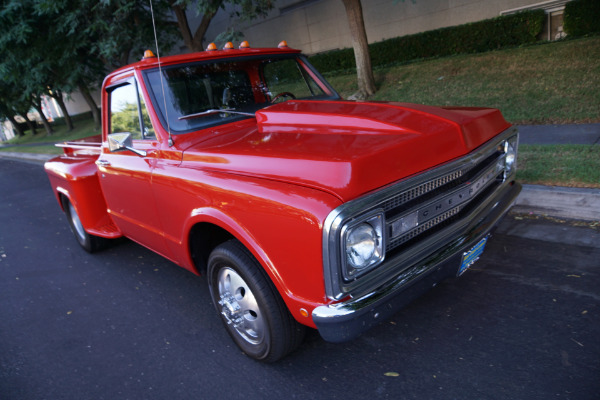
302	209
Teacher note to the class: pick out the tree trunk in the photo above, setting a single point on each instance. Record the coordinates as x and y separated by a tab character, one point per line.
30	124
193	42
124	57
85	92
15	125
57	95
37	104
366	82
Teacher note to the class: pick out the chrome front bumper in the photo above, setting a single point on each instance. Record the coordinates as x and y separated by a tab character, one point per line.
344	321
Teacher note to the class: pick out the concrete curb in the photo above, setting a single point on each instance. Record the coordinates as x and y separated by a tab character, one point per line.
554	201
39	158
560	202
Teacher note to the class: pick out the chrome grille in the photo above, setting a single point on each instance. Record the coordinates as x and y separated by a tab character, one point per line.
418	191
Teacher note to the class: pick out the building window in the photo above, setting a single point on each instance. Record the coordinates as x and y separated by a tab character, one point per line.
553	28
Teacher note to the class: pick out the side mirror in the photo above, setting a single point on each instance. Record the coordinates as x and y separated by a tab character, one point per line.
122	141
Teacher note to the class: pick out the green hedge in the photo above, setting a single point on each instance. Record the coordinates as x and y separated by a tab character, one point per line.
491	34
582	17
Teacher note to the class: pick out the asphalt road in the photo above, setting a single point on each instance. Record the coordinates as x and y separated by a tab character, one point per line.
126	324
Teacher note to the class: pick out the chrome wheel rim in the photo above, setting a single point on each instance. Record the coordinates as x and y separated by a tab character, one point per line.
79	231
239	307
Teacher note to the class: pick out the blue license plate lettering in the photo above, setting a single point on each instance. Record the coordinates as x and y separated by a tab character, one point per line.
472	255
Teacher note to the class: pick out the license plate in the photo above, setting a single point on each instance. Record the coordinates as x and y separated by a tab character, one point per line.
472	255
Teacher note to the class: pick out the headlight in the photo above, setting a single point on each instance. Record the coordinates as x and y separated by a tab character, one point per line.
510	158
508	163
363	245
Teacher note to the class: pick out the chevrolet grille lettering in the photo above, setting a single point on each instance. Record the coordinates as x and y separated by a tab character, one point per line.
449	202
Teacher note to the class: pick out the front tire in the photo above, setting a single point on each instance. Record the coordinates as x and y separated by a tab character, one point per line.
251	309
89	242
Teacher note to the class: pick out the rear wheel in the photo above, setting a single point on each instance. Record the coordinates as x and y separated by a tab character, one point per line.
89	242
254	314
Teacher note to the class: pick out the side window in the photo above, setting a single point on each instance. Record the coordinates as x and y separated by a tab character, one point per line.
287	76
128	112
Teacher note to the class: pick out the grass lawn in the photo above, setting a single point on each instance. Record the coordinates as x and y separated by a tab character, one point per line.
83	128
550	83
572	165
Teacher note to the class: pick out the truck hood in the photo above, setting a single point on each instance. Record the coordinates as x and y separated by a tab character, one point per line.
345	148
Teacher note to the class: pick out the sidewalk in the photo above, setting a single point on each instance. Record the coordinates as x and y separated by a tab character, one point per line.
39	158
559	202
559	134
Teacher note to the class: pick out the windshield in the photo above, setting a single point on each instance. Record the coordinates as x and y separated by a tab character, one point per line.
199	95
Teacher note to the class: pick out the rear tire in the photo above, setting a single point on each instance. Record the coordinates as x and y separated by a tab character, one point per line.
90	243
251	309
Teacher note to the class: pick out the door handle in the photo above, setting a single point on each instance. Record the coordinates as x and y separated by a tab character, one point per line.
102	163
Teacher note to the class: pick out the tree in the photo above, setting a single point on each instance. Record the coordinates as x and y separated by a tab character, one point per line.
364	71
249	9
57	47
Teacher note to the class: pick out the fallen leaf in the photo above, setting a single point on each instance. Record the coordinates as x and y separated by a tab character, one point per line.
392	374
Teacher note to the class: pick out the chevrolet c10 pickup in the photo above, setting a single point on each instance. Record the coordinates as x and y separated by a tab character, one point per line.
301	209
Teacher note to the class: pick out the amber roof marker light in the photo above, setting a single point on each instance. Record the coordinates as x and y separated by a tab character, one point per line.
283	45
244	45
211	47
228	46
148	54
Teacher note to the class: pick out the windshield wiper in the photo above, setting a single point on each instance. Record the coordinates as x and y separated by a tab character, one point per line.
217	111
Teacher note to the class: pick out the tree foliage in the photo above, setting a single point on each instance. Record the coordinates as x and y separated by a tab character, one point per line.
244	10
51	47
54	47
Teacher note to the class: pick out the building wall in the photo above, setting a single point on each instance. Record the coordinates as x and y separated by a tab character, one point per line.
315	26
74	102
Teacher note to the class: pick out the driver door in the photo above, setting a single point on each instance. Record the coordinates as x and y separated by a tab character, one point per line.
126	177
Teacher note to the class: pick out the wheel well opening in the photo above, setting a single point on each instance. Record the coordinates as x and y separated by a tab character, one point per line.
64	201
204	237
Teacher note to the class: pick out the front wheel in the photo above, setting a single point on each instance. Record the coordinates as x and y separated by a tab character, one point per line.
89	242
254	314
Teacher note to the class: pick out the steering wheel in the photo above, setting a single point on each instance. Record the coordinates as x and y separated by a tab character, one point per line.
282	94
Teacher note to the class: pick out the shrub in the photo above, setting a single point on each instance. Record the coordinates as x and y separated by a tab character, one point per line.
490	34
582	17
